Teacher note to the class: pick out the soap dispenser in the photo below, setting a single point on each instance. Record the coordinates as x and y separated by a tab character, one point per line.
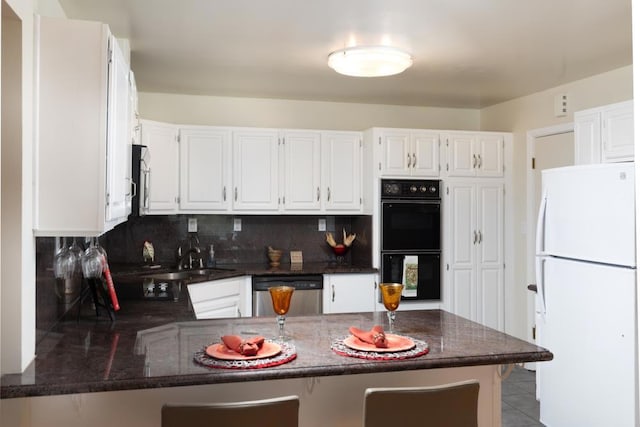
211	258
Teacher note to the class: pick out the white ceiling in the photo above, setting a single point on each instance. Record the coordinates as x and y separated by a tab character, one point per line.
467	53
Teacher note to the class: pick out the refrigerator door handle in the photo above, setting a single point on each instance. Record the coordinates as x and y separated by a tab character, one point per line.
540	247
540	286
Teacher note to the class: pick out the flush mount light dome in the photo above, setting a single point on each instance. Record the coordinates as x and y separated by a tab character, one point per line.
370	61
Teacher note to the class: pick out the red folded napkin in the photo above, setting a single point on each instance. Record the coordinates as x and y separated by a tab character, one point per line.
375	336
249	347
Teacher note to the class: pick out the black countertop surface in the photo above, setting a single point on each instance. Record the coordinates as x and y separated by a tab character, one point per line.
152	344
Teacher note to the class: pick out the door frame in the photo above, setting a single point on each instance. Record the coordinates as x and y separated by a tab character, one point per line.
532	213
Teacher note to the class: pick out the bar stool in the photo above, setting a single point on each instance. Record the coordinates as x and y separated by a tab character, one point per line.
275	412
450	405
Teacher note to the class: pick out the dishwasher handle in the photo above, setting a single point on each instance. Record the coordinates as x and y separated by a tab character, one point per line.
303	283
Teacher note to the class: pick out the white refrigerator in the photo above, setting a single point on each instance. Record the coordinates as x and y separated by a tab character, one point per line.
586	299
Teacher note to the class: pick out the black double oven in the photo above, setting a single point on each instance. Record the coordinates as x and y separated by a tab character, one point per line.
410	236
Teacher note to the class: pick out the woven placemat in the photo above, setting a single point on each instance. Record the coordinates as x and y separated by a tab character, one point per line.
339	347
287	354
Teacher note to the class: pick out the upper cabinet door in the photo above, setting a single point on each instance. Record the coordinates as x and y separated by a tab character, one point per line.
163	166
489	155
255	170
342	179
617	133
461	156
118	137
396	153
425	159
205	157
586	126
301	163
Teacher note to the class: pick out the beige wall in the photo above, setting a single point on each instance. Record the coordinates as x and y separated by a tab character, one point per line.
533	112
278	113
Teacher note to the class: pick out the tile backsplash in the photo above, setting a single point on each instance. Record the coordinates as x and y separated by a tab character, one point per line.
124	245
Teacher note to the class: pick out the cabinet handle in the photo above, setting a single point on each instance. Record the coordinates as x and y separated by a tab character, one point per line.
235	194
318	194
408	160
333	293
224	193
479	161
475	161
479	236
147	187
328	194
133	188
475	237
239	312
414	161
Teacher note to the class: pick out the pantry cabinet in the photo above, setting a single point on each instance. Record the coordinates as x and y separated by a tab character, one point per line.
162	169
475	250
205	172
409	153
474	154
604	134
222	298
342	166
82	143
301	173
349	293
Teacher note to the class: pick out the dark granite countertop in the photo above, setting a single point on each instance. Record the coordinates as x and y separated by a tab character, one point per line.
141	349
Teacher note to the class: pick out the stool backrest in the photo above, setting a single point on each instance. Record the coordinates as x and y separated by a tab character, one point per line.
450	405
276	412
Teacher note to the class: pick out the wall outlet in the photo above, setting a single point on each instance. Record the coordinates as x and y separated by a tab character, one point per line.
237	224
193	225
322	224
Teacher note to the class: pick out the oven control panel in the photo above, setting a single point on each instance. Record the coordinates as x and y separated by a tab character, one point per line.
410	189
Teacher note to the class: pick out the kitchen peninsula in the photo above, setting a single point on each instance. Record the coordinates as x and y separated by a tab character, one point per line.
94	372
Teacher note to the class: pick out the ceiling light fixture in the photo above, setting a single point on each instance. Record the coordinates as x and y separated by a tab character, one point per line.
369	61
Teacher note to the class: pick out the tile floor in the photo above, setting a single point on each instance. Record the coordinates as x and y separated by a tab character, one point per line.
519	405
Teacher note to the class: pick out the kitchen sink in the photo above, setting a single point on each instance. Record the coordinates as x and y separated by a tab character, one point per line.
182	275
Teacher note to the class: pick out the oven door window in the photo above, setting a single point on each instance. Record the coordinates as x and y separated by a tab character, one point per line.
419	273
410	226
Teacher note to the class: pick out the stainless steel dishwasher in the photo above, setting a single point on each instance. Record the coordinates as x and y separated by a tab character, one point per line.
306	299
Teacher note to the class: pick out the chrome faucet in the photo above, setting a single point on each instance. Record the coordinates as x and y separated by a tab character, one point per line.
192	257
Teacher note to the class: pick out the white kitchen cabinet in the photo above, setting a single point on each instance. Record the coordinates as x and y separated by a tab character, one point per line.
301	170
163	167
409	153
475	255
255	170
81	142
604	134
474	154
205	160
342	166
221	298
349	293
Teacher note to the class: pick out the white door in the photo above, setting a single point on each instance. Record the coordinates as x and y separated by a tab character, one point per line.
342	180
425	159
461	157
461	207
589	329
301	162
489	155
118	138
587	137
489	248
396	153
617	132
204	167
349	293
163	166
255	170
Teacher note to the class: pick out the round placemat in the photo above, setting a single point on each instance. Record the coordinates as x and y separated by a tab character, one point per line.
287	354
338	346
